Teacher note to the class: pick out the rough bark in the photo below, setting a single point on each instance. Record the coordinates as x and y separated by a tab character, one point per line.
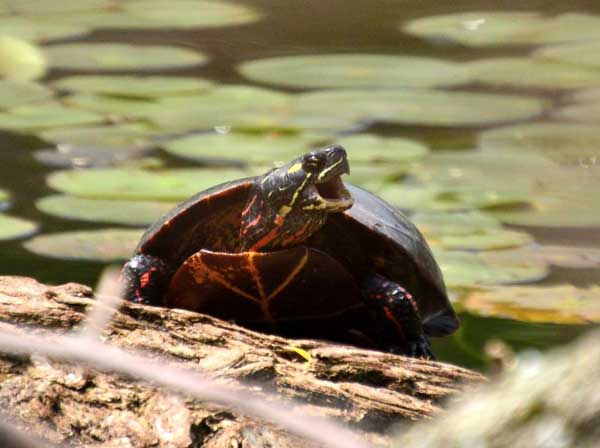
66	403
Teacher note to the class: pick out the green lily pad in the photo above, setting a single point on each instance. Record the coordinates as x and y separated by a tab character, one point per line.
20	60
134	213
133	86
233	147
41	116
354	70
565	304
581	53
568	205
118	108
39	7
4	195
467	231
586	113
423	107
115	135
17	93
562	142
12	228
368	148
115	56
518	72
67	155
373	177
482	28
34	30
235	106
104	245
153	14
468	269
575	257
136	184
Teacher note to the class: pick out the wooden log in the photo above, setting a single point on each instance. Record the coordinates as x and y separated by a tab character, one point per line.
367	390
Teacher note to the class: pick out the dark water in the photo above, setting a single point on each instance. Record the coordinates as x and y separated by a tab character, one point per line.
307	27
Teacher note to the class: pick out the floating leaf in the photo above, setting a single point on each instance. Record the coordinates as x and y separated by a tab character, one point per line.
424	107
37	7
116	135
17	93
467	231
483	28
20	60
86	156
354	70
134	213
41	116
517	72
563	142
153	14
133	86
369	148
564	304
576	257
468	269
588	113
118	108
372	177
35	30
234	147
4	195
135	184
95	245
582	53
115	56
12	227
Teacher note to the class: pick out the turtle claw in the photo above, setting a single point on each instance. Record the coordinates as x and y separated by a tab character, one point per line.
420	348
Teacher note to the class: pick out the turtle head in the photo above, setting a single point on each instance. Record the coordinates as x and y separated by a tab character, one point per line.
289	204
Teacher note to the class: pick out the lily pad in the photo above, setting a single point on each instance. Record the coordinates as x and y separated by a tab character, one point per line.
38	7
423	107
575	257
116	56
153	14
234	106
373	177
134	213
587	113
136	184
35	30
67	155
564	304
468	269
468	231
41	116
581	53
118	108
518	72
104	245
133	86
236	147
115	135
12	227
354	70
20	60
562	142
17	93
482	28
372	149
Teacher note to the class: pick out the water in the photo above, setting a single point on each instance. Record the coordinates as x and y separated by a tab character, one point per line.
311	27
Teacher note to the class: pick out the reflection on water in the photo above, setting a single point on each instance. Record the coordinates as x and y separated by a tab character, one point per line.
484	125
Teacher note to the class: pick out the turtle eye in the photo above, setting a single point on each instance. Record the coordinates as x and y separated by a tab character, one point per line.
313	162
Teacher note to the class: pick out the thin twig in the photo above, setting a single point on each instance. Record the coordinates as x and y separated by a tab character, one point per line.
72	349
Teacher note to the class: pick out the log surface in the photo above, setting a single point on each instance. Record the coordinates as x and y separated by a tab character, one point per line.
367	390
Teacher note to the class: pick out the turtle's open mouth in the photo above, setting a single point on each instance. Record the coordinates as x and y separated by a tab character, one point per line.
331	195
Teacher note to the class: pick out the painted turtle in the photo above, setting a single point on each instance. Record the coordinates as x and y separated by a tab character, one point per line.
299	253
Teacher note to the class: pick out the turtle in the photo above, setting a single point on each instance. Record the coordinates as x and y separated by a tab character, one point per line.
300	253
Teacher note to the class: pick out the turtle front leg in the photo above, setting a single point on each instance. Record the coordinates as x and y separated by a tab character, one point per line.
398	325
144	279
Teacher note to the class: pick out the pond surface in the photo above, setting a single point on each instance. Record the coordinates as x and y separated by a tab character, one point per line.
484	126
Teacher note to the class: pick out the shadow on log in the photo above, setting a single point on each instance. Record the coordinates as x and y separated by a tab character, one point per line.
367	390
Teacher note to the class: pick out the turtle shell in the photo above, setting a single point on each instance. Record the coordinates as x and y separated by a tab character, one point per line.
372	236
